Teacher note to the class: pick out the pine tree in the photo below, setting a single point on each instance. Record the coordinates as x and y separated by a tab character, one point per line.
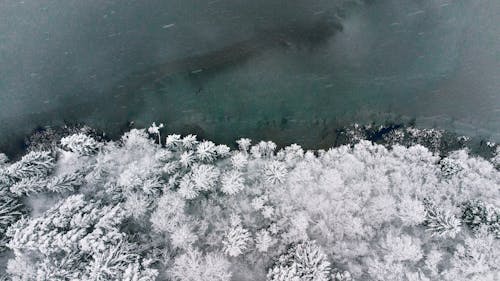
10	211
169	213
244	144
189	142
32	165
236	239
193	266
80	144
441	223
206	151
239	160
264	241
173	142
232	182
275	172
66	182
29	186
477	213
155	130
304	261
183	237
187	158
264	149
449	167
201	178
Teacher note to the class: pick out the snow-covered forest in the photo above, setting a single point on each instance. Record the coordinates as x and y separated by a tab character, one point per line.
149	207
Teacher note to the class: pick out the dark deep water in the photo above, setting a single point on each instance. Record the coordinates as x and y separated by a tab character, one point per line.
291	71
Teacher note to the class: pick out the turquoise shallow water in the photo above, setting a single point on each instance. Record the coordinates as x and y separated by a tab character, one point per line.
297	77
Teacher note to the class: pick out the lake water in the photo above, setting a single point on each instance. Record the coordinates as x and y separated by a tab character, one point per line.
291	71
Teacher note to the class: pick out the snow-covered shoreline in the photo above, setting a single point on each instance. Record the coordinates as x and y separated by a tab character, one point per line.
194	210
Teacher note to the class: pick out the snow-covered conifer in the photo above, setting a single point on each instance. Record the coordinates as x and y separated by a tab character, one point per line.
292	154
187	188
264	240
441	222
204	177
398	248
258	202
222	150
236	239
476	259
136	139
449	167
411	211
188	266
155	130
136	205
28	186
126	207
187	158
193	266
477	214
239	160
171	168
303	262
33	164
217	268
232	182
183	237
264	149
10	211
244	144
169	213
80	143
275	172
173	142
189	142
206	151
119	262
164	156
66	182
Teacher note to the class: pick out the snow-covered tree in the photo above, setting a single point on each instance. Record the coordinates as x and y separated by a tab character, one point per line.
275	172
32	165
264	240
80	143
137	211
441	222
155	130
477	214
236	239
169	213
206	151
303	262
232	182
76	239
194	266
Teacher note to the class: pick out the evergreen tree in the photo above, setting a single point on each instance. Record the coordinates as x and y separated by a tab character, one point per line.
477	214
304	261
441	222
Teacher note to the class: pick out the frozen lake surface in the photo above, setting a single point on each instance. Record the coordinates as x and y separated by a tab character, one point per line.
291	71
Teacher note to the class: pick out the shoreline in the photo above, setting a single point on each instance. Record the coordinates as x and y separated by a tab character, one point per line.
319	136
